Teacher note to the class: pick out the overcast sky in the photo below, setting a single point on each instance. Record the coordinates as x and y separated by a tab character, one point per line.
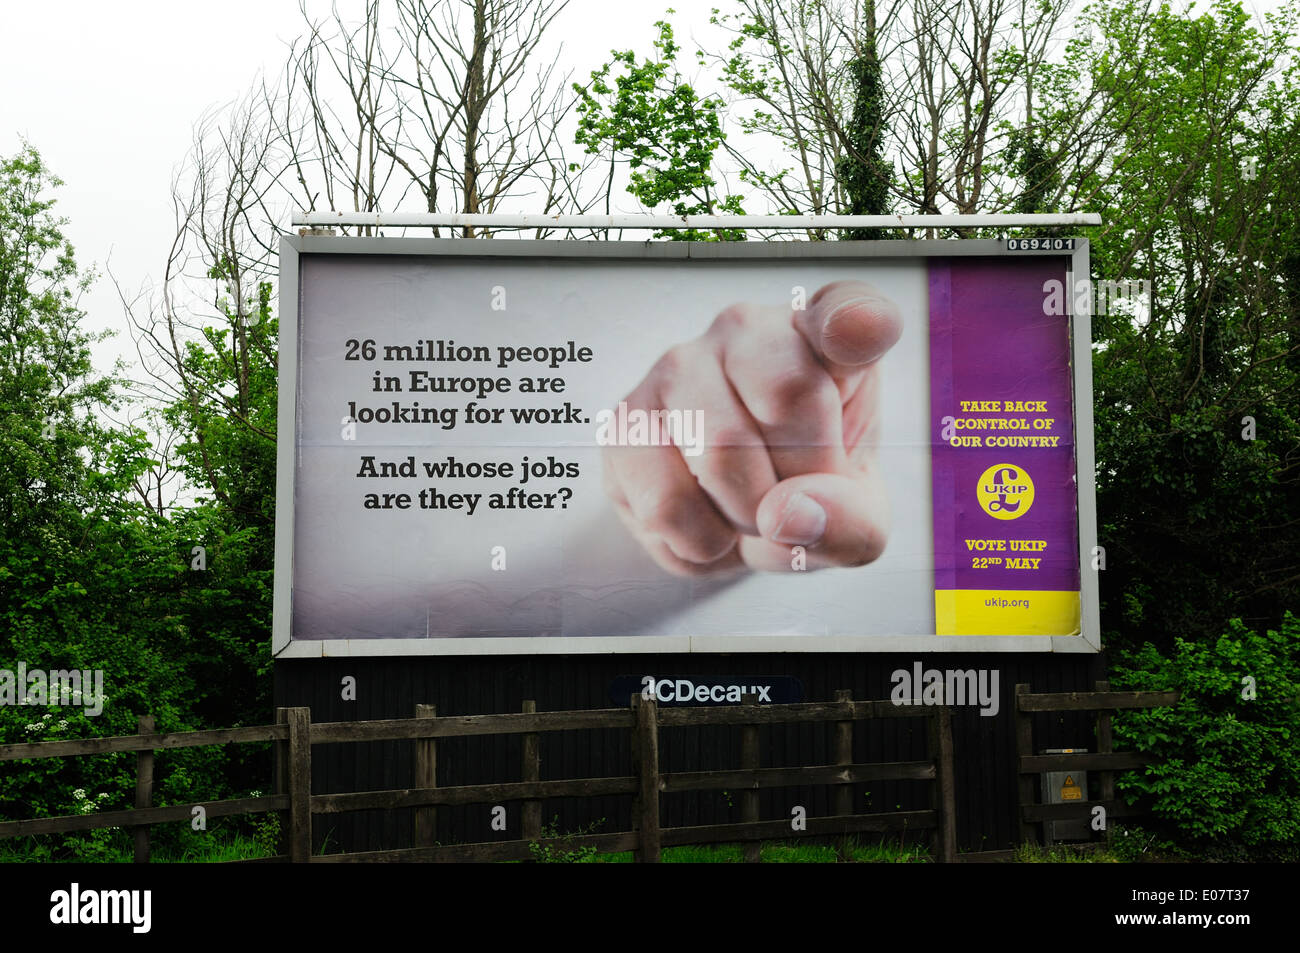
109	93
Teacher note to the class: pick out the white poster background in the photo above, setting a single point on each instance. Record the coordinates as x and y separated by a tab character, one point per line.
574	572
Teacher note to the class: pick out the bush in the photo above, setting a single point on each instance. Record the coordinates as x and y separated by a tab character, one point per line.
1228	764
555	851
93	576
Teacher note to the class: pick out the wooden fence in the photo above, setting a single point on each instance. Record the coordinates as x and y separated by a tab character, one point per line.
1105	760
294	736
144	815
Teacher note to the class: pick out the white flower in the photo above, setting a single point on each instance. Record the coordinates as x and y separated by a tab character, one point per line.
46	717
79	794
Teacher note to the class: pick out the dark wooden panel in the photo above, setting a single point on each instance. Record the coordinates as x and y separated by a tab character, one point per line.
984	747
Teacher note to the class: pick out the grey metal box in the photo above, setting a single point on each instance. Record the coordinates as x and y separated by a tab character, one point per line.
1065	787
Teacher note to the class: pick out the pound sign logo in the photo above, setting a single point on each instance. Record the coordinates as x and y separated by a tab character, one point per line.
1005	492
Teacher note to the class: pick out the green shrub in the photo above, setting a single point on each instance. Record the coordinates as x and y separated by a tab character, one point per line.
553	849
266	833
1228	763
94	576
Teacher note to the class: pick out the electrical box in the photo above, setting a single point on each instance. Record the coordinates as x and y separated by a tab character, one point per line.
1065	787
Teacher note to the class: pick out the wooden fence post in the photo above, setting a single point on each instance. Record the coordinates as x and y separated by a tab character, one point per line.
531	815
299	784
943	794
280	773
426	776
1024	782
749	797
1105	745
647	766
843	796
143	788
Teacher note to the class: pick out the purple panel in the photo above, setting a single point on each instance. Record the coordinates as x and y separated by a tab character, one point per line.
992	340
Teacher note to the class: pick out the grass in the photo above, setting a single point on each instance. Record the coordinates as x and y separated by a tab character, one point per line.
234	845
238	848
884	852
220	848
207	851
1065	854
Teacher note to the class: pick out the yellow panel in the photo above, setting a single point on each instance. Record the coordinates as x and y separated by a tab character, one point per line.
1005	612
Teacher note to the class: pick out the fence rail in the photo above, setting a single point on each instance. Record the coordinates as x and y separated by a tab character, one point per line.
294	737
141	741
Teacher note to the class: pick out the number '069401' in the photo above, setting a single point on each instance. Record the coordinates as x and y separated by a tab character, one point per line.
1040	244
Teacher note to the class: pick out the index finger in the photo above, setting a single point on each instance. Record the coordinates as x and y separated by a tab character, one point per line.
849	325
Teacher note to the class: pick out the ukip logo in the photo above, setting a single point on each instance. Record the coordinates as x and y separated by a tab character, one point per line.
1005	491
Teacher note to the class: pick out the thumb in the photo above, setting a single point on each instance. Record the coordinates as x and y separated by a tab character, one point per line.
839	520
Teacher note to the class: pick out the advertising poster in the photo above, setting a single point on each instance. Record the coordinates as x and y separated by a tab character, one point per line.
790	450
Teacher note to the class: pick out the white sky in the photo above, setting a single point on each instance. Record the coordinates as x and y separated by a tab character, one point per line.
109	92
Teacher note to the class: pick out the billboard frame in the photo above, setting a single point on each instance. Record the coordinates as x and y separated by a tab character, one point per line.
293	247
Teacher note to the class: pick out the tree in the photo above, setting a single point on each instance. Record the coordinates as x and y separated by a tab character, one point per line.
667	131
791	86
45	373
438	101
89	575
1197	395
442	102
902	106
863	171
209	341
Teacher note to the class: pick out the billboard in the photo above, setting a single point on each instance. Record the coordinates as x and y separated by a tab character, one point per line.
566	447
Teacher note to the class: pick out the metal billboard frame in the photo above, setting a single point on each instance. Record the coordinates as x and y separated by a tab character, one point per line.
293	247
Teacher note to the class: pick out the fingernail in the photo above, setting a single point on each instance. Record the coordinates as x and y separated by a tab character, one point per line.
853	343
802	522
851	303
